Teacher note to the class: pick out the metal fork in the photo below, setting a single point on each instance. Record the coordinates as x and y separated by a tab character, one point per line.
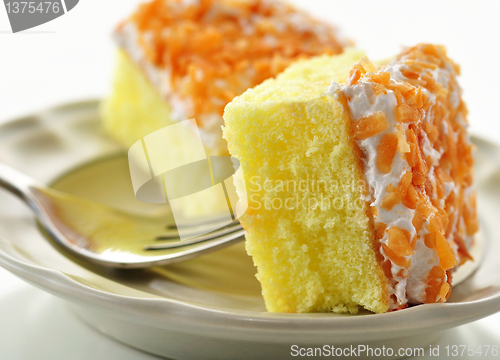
110	237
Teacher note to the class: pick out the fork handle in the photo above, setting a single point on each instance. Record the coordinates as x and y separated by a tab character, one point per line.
16	182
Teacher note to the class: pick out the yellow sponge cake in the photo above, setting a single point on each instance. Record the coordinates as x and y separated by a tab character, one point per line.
356	195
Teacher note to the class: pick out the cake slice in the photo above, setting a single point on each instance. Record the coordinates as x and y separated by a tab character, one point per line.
359	181
183	59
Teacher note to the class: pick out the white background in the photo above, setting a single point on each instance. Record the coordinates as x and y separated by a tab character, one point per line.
71	58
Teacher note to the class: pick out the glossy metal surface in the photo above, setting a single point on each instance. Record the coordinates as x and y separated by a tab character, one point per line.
110	237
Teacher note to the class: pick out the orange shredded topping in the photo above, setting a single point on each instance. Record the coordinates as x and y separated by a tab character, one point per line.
367	65
216	49
446	257
355	75
383	78
399	241
390	200
400	261
386	151
444	292
435	280
370	125
426	188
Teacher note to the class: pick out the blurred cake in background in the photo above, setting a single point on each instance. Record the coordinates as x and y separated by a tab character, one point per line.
182	59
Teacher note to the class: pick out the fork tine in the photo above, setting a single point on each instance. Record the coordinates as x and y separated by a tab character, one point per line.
193	251
219	239
195	240
174	235
198	223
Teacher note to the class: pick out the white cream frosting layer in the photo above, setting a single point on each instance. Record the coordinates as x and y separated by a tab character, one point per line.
362	102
